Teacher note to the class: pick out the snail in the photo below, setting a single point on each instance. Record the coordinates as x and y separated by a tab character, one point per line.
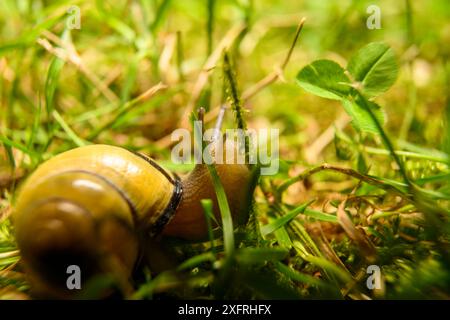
92	207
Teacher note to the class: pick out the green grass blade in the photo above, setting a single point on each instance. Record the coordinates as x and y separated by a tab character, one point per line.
70	133
227	221
17	145
318	215
196	261
207	206
300	277
271	227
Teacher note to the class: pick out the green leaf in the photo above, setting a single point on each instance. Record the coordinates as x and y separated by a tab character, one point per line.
115	23
70	133
271	227
227	221
7	142
160	14
207	205
361	119
283	239
318	215
374	67
330	267
361	164
446	146
51	82
325	79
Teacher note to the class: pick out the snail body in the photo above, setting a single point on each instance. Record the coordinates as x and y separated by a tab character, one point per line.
93	205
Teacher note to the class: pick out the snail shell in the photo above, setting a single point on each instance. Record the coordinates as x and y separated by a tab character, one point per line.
87	207
93	206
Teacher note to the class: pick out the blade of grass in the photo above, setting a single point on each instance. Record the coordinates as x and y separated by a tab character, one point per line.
260	255
180	56
395	186
51	83
72	135
207	206
446	142
127	107
330	267
234	93
300	277
279	222
115	23
196	261
432	157
36	123
210	25
318	215
283	238
387	142
160	15
227	221
17	145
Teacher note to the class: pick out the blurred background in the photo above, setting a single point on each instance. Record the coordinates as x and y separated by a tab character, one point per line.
125	47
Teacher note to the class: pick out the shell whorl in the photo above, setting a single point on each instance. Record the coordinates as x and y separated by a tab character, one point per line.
88	207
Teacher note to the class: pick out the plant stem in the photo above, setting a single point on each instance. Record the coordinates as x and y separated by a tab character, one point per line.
385	139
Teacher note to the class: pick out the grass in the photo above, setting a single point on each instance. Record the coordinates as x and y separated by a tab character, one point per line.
136	70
